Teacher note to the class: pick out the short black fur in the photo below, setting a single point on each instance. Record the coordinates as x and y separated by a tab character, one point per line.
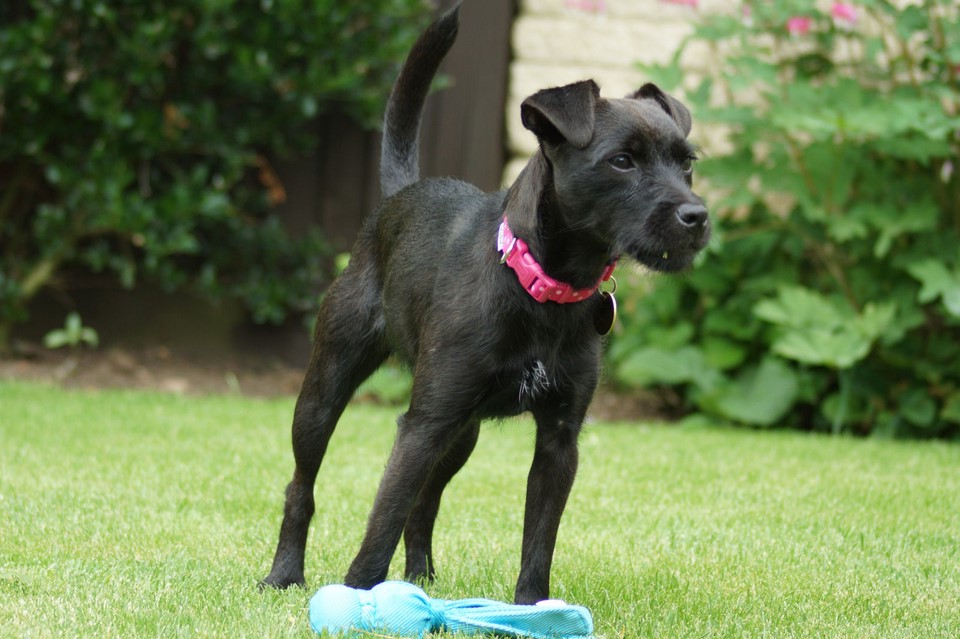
425	283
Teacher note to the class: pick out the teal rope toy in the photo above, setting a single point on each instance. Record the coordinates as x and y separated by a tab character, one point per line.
404	610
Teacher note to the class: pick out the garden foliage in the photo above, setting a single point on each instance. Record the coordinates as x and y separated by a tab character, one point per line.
831	298
135	137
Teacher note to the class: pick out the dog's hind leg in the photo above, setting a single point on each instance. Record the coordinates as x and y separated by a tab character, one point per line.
348	346
418	533
434	424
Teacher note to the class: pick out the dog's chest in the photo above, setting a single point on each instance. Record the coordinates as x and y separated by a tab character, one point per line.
541	363
535	381
514	390
533	371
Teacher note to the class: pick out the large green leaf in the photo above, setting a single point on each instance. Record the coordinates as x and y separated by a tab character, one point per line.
759	396
833	348
937	281
654	365
814	329
797	307
894	222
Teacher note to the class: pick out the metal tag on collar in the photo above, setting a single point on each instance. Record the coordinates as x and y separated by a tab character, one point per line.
605	316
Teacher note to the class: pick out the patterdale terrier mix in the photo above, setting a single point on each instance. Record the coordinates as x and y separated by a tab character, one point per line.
493	301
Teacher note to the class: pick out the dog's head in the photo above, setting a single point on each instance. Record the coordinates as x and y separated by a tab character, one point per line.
621	171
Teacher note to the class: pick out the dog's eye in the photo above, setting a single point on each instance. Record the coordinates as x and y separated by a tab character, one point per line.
622	162
687	166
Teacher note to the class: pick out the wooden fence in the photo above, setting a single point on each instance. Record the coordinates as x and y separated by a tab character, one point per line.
462	134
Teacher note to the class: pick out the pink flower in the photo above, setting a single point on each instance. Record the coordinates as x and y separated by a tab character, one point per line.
595	6
799	25
844	14
844	11
688	3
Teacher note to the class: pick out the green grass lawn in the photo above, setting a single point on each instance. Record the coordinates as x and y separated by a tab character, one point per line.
126	514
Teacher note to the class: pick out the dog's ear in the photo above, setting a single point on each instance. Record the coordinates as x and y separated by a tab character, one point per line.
668	103
562	113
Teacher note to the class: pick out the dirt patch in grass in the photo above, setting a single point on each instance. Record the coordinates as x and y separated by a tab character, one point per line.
153	368
159	368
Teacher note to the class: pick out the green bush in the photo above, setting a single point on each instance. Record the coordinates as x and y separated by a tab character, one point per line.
831	299
135	137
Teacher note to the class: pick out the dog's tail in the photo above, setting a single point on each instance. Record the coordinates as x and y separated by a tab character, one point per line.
400	150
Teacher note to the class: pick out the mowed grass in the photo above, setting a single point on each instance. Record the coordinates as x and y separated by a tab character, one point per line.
128	514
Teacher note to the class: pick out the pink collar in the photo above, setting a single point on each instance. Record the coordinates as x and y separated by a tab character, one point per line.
540	286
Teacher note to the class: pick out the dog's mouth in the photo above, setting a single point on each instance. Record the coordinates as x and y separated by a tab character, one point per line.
669	240
666	258
666	261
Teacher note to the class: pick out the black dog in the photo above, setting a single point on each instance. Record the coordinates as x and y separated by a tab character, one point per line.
427	282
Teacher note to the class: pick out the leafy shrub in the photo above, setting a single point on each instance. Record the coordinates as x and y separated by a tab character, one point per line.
831	299
134	136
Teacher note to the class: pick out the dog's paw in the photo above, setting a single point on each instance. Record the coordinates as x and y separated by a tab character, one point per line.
279	583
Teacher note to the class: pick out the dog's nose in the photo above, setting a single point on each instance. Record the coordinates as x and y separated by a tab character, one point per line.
692	215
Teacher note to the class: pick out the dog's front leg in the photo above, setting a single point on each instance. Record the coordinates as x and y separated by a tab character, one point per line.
418	534
548	486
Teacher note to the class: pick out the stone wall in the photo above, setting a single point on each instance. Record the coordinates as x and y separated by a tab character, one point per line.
557	42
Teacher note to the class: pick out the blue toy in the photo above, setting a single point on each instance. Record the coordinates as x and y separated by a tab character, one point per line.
404	610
